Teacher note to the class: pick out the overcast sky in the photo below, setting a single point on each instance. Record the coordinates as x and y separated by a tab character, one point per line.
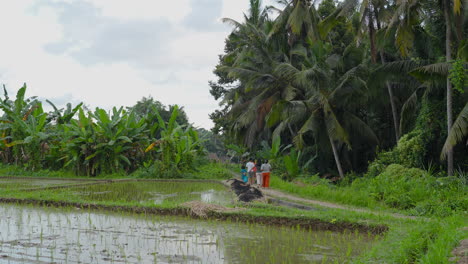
113	52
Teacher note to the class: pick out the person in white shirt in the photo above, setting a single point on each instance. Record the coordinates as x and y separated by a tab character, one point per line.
250	171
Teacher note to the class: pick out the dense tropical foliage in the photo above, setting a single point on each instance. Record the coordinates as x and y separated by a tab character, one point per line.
344	83
146	135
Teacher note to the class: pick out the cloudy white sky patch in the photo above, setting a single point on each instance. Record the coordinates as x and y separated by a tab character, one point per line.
113	52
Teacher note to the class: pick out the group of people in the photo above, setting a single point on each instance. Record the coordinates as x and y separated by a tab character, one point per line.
258	171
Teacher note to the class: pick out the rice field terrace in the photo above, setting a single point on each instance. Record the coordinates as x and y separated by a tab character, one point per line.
73	234
122	192
70	235
11	183
150	192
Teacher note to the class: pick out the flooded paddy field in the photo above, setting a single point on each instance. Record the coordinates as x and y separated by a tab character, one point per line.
14	183
151	192
69	235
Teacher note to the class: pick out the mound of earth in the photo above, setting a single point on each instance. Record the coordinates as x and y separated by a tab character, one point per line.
245	192
202	209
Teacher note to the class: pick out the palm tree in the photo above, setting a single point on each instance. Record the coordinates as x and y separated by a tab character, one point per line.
326	109
448	58
405	18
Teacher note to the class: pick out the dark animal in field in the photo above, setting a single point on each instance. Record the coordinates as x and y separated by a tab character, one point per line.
245	192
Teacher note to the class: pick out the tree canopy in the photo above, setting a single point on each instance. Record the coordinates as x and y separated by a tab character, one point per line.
346	80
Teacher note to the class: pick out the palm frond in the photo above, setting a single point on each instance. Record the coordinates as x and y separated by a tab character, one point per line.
360	128
458	132
408	111
231	21
436	71
334	129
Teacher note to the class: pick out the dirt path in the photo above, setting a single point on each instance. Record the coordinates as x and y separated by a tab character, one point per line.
281	195
460	253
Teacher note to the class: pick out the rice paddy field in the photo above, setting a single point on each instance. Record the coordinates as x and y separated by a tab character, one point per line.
8	183
149	192
71	234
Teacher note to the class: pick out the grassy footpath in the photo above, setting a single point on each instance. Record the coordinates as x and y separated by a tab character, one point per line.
428	239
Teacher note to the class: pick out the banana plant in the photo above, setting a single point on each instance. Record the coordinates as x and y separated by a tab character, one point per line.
102	142
23	127
63	116
291	162
271	153
177	146
295	161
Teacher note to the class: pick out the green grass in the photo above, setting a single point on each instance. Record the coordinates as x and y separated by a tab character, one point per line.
212	171
409	191
324	192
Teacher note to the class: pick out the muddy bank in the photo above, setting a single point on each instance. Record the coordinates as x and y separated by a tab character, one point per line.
307	223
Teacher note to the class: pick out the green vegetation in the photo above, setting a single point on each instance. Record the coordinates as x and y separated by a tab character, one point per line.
96	142
407	240
353	103
415	191
343	81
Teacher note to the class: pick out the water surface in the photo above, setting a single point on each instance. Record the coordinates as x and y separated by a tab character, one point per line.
45	235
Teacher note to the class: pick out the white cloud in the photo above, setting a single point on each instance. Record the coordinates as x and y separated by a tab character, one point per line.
173	11
113	52
234	9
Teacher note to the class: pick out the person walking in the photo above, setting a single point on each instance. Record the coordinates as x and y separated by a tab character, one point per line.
258	167
266	171
250	171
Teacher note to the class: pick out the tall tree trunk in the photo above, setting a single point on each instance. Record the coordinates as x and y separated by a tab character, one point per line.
372	36
337	158
448	55
396	122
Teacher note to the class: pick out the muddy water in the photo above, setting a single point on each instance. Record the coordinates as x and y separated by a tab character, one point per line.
54	235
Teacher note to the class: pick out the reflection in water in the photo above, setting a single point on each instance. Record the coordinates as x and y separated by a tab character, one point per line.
44	235
209	196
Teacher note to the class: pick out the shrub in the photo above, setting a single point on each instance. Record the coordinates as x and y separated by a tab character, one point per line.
418	190
409	152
